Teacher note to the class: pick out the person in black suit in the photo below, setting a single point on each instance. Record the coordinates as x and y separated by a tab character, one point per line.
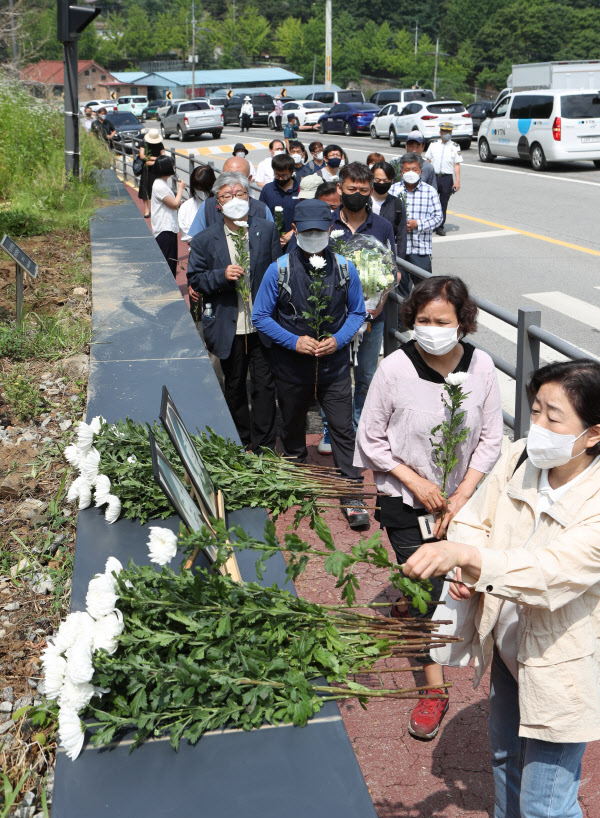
214	271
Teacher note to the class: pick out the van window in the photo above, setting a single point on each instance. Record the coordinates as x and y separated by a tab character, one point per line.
350	96
323	96
388	96
446	108
580	106
501	108
532	106
194	106
416	94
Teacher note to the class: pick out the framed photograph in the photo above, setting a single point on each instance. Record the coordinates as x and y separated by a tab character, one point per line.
188	454
177	494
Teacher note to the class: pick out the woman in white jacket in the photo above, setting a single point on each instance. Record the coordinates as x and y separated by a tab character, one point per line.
528	543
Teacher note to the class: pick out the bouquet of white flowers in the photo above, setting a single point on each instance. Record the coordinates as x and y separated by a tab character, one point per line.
374	262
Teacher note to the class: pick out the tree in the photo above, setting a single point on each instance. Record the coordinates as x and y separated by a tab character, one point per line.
138	36
253	32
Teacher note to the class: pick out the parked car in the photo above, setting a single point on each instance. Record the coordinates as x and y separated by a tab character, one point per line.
478	111
135	105
151	110
402	95
262	103
348	118
384	119
428	116
192	118
307	111
96	104
333	97
543	126
128	130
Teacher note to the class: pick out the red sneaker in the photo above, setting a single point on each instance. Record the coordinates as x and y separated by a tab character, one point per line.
427	716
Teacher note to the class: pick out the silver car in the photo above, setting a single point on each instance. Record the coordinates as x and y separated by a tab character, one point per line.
192	119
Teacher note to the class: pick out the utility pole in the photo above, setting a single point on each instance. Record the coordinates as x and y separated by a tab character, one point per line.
327	43
72	20
234	12
437	54
314	68
13	35
416	37
193	49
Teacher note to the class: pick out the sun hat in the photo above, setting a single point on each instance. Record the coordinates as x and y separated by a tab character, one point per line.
309	185
153	136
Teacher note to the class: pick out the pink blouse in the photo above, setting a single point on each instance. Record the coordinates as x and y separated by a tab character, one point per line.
400	411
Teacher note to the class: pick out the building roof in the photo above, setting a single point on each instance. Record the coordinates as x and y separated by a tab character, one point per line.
129	77
225	78
291	91
51	72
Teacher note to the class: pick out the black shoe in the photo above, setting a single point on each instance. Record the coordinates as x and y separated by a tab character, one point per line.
439	231
355	512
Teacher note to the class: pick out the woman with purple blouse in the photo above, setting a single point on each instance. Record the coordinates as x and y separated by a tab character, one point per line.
403	405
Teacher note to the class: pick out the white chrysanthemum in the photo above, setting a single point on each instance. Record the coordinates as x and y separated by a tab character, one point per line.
78	623
75	488
114	509
278	209
244	225
317	262
102	492
90	465
70	732
132	459
336	234
79	662
85	495
457	378
85	436
55	668
101	598
113	566
162	545
75	696
72	455
96	424
107	631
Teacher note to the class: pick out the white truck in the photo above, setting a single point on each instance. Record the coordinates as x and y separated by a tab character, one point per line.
558	75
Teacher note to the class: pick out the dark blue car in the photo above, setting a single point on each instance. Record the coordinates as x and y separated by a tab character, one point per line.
348	118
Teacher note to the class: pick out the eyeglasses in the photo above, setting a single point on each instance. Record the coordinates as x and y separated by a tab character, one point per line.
227	197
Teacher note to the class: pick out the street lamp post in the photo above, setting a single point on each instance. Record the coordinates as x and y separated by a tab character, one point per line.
327	43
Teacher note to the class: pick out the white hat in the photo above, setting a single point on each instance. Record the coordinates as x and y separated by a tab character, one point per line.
246	99
153	137
309	185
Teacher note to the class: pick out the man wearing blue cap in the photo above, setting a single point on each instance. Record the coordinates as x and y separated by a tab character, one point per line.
297	357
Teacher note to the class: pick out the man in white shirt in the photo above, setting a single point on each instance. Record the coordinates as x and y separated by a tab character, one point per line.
264	171
246	114
446	159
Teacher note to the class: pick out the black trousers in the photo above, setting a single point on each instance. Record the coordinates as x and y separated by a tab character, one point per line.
167	241
246	122
258	428
445	182
278	122
335	398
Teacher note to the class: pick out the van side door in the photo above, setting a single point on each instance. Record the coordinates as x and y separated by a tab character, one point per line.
499	128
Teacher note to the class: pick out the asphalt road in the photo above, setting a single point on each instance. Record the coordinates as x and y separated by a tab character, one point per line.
518	238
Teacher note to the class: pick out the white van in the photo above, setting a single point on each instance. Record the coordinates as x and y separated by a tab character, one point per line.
333	97
543	126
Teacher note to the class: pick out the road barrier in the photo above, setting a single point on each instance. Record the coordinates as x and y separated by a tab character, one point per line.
527	321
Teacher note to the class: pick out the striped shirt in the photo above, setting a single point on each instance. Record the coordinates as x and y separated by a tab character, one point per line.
422	204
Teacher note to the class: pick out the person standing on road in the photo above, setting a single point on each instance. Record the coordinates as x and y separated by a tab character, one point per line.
446	159
241	151
334	160
278	113
88	121
213	270
201	183
246	114
150	150
264	171
372	158
298	153
415	143
423	210
316	151
298	358
290	131
282	192
103	126
329	192
387	206
164	210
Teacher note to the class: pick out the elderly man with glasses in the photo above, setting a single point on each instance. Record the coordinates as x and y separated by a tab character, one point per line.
229	288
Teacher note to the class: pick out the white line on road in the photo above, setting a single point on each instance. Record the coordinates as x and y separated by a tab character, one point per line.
548	176
567	305
485	234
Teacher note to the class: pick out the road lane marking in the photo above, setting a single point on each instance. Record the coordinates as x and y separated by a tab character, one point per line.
215	150
569	306
533	175
567	244
486	234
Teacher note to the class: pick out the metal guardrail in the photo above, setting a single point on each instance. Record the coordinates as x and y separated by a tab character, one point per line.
527	321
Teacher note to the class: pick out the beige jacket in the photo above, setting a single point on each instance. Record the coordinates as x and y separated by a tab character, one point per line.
553	573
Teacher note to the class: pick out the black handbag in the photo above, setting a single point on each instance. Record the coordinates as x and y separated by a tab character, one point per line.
138	166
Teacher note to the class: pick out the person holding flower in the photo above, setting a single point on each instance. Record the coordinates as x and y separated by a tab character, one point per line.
526	551
394	438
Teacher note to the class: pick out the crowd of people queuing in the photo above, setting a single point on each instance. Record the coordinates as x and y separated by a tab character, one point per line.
517	534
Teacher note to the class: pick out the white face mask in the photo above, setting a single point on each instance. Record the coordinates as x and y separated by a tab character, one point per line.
236	208
411	177
278	153
313	241
319	156
241	154
548	449
297	157
436	340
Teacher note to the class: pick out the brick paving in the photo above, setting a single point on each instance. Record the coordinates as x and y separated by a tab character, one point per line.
444	778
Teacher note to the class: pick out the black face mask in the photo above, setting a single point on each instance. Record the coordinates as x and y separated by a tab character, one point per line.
354	201
282	182
381	187
334	162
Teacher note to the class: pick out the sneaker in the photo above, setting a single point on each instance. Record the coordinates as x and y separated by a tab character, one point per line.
427	716
324	446
439	231
355	512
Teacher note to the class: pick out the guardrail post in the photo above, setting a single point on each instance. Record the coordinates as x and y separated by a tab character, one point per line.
124	155
390	325
528	359
191	165
174	160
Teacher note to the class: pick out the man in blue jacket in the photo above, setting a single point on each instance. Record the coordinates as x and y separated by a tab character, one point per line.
298	358
214	270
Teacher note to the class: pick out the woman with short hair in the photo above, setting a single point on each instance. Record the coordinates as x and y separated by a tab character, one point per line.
201	182
528	546
165	205
403	405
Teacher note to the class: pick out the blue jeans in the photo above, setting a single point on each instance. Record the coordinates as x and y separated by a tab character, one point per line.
532	778
367	358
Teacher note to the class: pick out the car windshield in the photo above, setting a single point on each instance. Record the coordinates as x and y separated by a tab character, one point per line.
409	96
350	96
446	108
194	106
312	104
124	119
139	99
580	106
363	106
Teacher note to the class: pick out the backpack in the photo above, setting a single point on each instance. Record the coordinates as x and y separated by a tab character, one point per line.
283	274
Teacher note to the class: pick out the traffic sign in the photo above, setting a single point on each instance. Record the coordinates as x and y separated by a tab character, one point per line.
284	92
169	95
23	262
113	94
229	93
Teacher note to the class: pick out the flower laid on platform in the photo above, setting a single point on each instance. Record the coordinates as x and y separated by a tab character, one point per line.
85	436
132	459
162	545
107	631
90	465
55	668
79	662
72	455
101	597
85	496
75	488
113	510
77	624
96	424
102	493
70	732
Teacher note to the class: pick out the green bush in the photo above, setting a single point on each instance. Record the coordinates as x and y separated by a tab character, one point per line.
21	393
